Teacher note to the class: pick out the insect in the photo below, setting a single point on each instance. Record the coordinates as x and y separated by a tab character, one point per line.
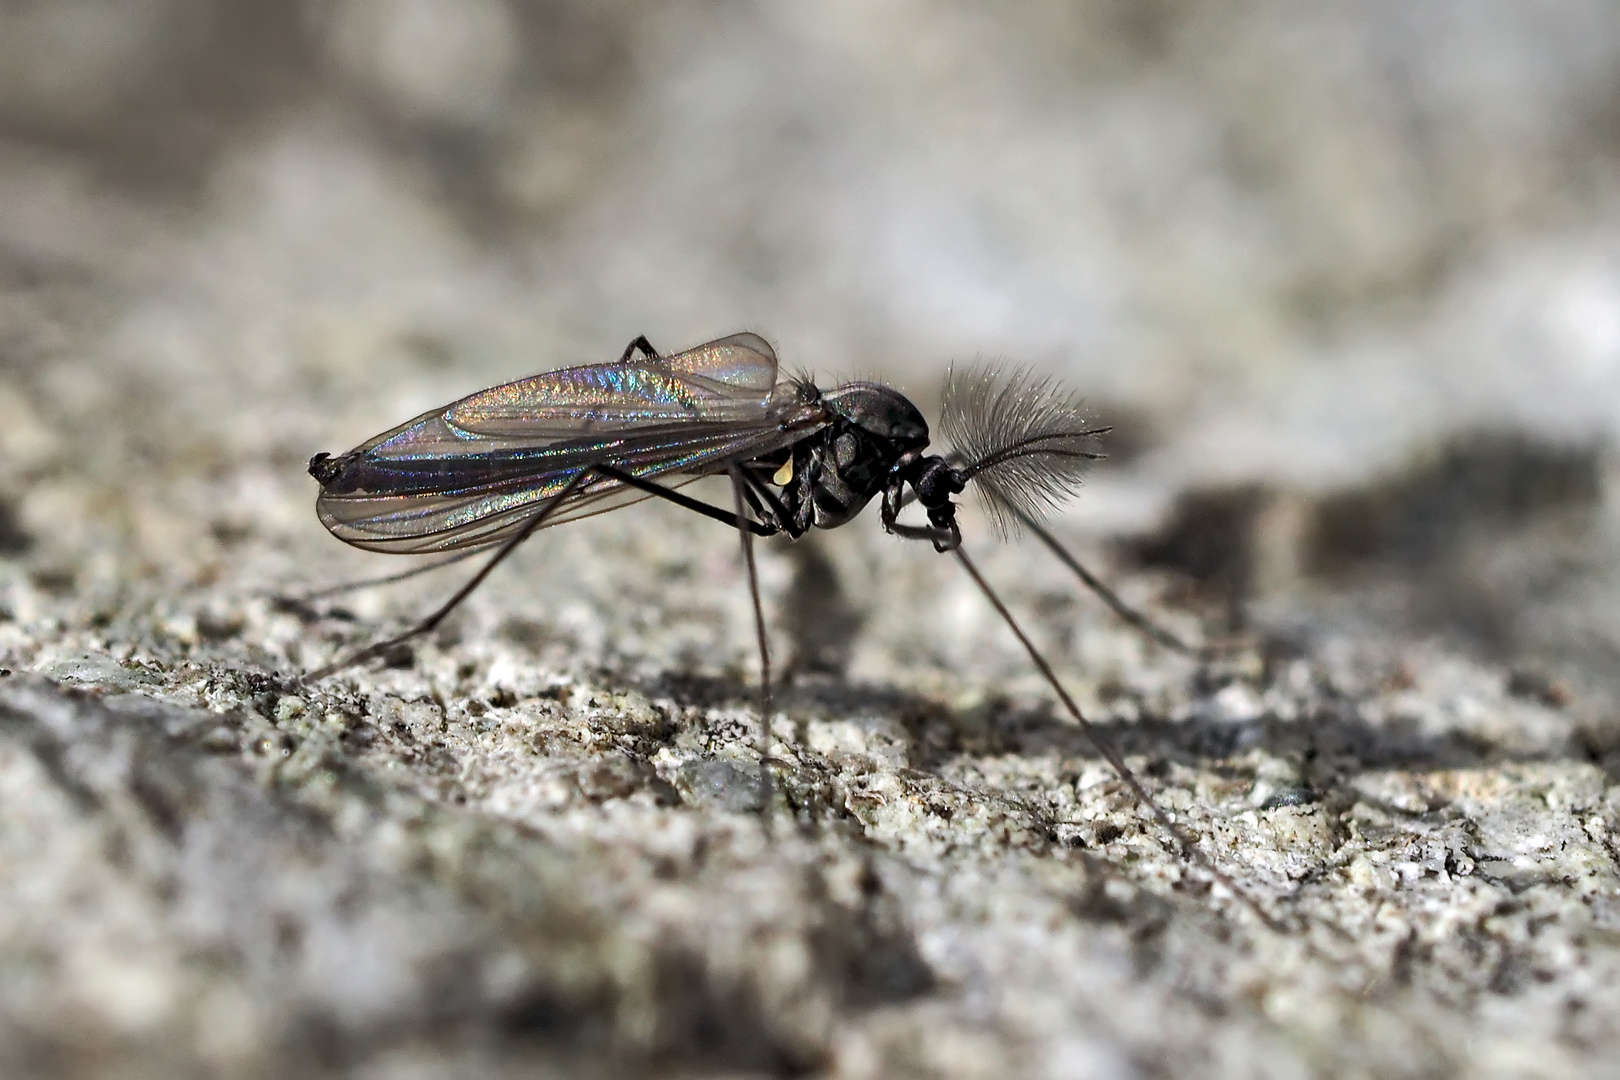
486	472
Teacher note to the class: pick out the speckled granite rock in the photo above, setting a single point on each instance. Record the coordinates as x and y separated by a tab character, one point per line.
1343	279
208	867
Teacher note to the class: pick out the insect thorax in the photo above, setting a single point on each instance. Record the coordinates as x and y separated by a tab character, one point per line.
838	470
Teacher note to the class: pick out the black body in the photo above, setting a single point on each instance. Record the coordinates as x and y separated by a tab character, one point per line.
873	445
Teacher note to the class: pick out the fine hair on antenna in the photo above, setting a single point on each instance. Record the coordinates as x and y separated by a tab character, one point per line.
1027	441
487	472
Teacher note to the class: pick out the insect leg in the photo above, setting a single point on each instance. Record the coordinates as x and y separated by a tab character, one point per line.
766	503
764	651
641	343
1108	596
686	501
760	510
366	583
894	499
1179	835
427	624
925	532
1129	614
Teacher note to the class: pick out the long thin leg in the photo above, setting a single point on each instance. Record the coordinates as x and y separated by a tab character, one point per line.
686	502
387	579
1108	596
764	652
1127	613
427	624
1179	835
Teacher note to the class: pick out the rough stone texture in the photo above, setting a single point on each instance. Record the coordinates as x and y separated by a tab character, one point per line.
1345	280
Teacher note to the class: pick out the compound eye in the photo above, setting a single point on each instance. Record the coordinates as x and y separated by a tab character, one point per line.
845	450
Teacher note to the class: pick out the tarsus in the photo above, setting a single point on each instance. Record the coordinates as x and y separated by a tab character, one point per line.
1177	833
427	624
389	579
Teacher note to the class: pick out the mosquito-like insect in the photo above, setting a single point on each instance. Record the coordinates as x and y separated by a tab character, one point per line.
489	470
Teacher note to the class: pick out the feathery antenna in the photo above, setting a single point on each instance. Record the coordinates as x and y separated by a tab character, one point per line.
1026	441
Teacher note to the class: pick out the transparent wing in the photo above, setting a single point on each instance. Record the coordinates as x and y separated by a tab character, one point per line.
465	476
729	379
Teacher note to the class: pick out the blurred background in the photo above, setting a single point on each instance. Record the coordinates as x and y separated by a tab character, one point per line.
1346	279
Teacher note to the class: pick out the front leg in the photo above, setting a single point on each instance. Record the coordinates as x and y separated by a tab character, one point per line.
946	539
894	497
943	534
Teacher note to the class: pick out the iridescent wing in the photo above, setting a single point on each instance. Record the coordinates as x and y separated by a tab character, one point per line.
467	475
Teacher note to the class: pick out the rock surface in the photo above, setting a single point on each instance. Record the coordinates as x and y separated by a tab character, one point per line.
1344	281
